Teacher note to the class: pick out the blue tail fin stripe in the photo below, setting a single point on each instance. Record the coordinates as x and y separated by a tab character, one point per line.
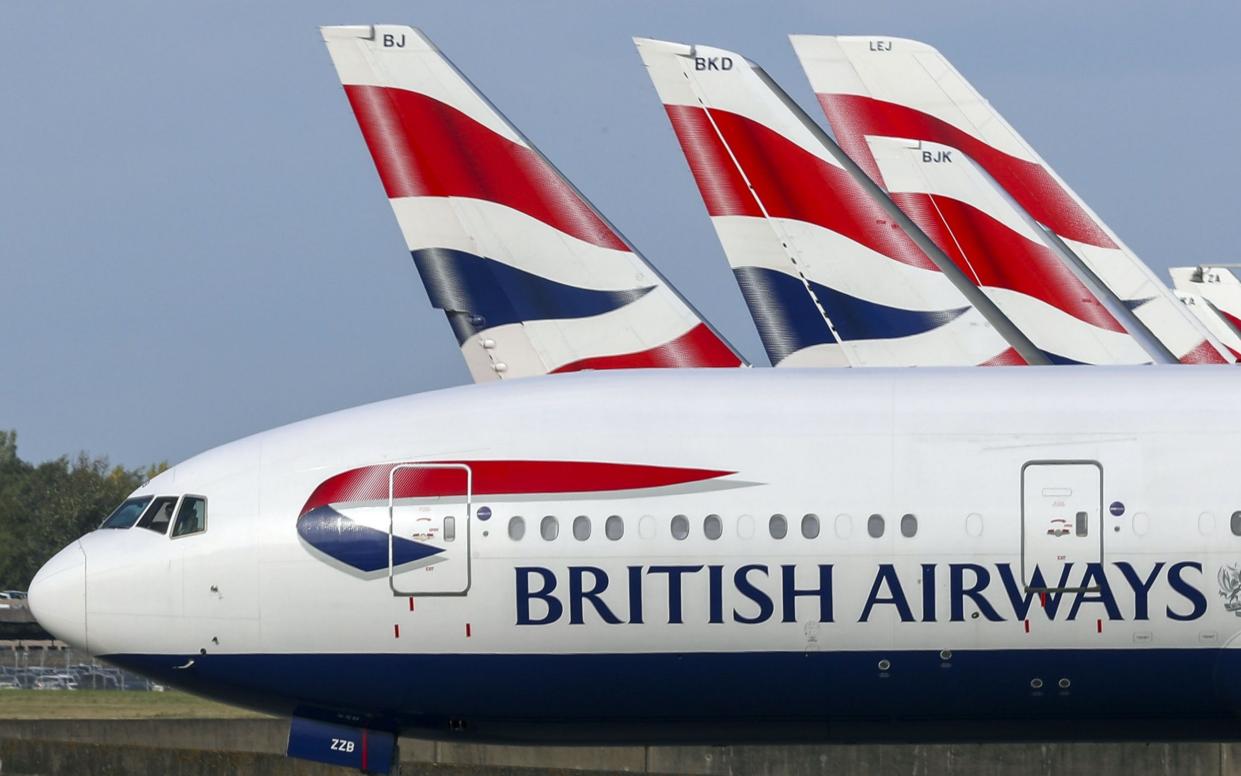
788	319
479	293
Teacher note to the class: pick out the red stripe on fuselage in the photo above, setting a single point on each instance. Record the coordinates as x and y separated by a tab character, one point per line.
790	181
991	254
853	117
370	483
698	347
425	148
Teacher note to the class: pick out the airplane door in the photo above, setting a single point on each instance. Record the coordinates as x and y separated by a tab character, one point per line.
429	529
1061	519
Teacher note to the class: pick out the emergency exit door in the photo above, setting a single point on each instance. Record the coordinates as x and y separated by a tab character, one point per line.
1061	522
429	529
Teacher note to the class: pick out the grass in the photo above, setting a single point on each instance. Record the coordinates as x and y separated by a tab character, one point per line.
113	704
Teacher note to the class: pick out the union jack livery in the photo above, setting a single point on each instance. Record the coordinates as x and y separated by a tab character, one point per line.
532	278
828	279
1213	295
905	115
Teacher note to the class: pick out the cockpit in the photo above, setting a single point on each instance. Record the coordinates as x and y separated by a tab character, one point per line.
187	514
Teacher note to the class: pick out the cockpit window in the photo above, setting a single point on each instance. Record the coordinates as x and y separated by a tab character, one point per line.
159	514
127	513
192	516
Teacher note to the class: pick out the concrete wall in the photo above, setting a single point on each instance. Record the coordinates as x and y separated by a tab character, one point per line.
246	746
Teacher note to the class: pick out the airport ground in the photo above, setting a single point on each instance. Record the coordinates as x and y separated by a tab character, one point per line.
50	732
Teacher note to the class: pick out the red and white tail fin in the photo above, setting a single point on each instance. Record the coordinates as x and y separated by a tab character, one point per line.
889	88
1213	294
828	279
530	275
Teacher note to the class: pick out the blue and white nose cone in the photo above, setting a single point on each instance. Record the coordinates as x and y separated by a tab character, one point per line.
58	596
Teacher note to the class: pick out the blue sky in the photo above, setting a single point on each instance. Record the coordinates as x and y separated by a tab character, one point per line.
194	245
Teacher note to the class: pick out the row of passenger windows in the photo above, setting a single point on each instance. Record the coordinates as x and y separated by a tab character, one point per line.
712	527
157	513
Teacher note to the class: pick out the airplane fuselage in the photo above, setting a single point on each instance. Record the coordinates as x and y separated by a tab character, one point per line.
712	555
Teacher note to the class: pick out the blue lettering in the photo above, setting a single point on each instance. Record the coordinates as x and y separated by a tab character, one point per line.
887	575
959	592
747	589
823	592
1141	588
635	595
577	594
1021	605
1188	591
674	588
554	607
715	587
928	592
1094	572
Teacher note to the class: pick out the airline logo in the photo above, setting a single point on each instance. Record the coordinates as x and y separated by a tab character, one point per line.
902	90
828	279
957	204
361	542
757	593
1213	295
531	277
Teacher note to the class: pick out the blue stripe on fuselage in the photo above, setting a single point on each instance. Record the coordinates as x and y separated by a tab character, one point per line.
357	545
686	697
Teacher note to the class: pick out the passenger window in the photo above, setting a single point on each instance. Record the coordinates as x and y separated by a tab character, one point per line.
810	526
450	528
874	526
516	527
191	517
1236	524
909	526
581	528
680	527
712	527
614	527
549	528
127	513
646	527
159	514
778	526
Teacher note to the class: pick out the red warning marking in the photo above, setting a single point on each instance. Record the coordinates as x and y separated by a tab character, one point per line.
364	752
1042	600
467	630
396	631
411	603
1099	625
1027	626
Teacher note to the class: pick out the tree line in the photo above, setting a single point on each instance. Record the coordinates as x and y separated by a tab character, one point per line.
45	506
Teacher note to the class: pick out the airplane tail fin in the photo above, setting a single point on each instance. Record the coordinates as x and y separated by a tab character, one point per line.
1213	294
532	278
882	91
829	280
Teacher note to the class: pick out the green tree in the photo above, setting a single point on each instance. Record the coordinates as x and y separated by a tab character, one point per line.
46	506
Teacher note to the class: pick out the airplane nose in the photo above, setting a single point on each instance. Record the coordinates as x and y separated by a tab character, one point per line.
57	596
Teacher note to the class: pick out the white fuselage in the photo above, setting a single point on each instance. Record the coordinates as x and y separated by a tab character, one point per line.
971	464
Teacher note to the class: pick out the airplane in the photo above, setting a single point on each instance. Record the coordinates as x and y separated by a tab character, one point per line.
696	556
794	212
531	276
886	97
